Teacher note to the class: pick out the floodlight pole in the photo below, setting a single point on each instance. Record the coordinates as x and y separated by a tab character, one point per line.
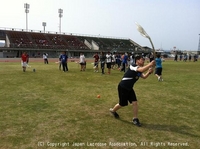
44	24
26	6
60	11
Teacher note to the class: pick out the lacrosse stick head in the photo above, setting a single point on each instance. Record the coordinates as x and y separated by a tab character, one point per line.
144	34
141	30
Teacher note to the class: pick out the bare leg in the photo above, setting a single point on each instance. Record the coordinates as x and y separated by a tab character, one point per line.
157	77
116	107
135	109
113	111
108	70
135	114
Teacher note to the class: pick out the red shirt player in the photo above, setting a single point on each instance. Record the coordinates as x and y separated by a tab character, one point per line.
24	61
96	62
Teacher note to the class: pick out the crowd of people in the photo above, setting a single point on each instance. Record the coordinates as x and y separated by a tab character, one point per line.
186	57
112	61
102	61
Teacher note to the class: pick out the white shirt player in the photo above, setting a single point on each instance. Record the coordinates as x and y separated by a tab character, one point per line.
108	58
82	59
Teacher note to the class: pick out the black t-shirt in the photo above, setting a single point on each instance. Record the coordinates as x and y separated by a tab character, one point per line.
102	58
130	77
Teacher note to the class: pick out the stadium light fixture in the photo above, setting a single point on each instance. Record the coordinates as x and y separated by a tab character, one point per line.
44	24
60	11
26	6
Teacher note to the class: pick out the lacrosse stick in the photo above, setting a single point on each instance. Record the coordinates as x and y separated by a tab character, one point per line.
144	34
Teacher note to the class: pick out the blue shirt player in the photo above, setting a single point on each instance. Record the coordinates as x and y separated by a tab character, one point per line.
158	71
63	58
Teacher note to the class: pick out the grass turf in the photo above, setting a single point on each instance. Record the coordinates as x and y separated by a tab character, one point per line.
53	109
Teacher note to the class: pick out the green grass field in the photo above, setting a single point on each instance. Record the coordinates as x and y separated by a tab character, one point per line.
52	109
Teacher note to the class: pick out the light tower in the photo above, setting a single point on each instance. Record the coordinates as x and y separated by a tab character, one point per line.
60	11
44	24
26	6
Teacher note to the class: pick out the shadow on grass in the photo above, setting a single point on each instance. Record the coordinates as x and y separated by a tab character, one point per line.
171	81
184	130
125	121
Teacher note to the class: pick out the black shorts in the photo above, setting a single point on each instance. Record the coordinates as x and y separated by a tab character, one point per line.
82	64
158	71
125	96
96	64
108	65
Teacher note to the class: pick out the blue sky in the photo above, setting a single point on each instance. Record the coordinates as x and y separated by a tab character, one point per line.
170	23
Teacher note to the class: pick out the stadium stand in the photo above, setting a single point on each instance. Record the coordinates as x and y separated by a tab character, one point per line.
74	42
40	41
18	39
53	43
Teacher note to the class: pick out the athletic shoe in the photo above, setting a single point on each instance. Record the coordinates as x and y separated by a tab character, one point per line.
114	113
160	79
136	122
